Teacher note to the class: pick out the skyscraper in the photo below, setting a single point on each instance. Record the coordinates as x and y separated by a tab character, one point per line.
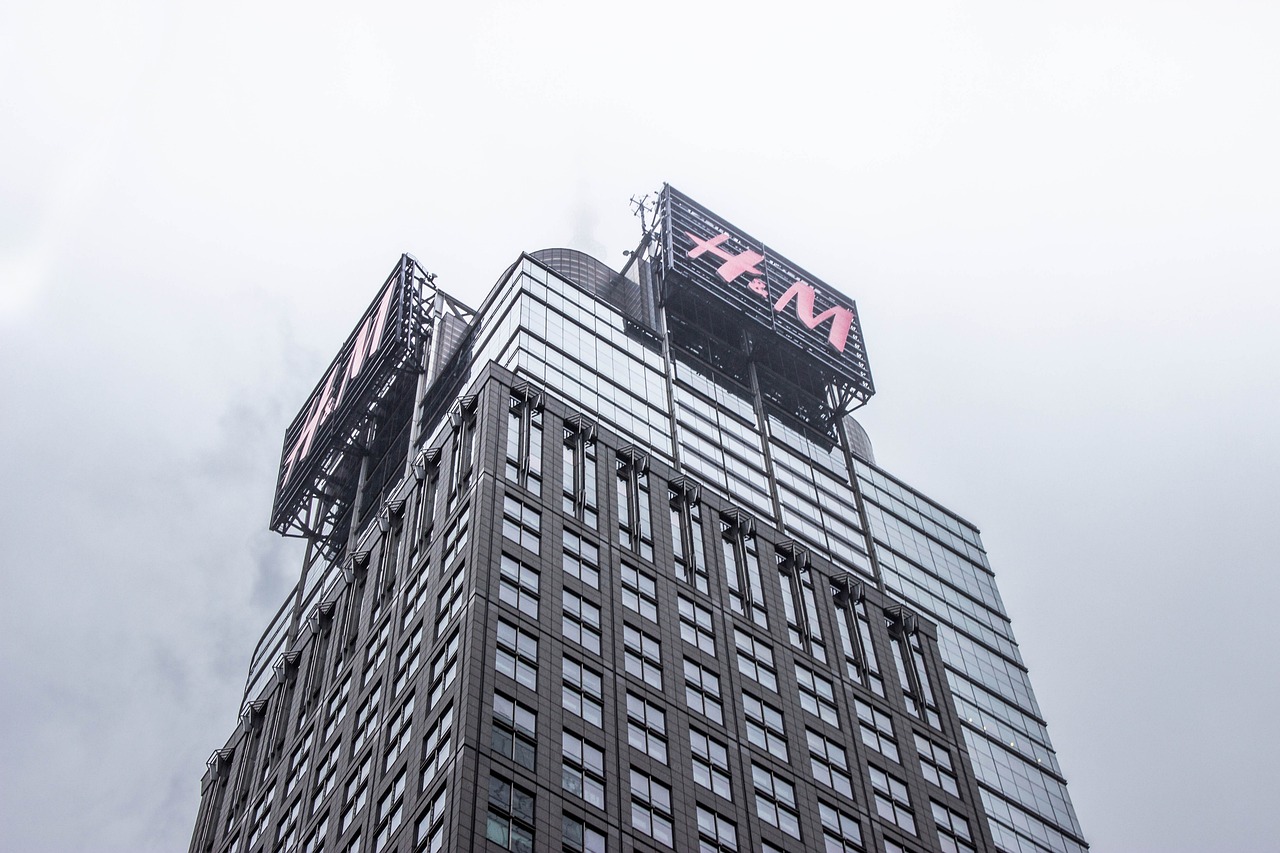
608	564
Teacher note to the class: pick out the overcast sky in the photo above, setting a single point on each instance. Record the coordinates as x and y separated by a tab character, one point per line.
1059	221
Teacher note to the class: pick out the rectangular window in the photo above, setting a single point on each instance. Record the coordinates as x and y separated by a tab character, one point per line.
415	596
687	536
581	559
450	601
336	709
581	693
935	763
287	831
651	807
742	565
953	829
408	660
755	659
696	627
581	622
775	800
517	655
877	730
511	816
830	763
716	833
817	695
583	774
326	775
518	586
524	440
398	728
299	762
647	727
522	524
515	731
580	472
892	802
581	838
355	794
710	763
444	669
390	813
635	525
840	832
642	656
640	591
261	816
855	633
456	536
367	716
314	843
437	747
376	652
702	691
765	728
429	831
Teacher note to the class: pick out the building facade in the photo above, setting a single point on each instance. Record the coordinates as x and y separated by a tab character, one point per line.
607	565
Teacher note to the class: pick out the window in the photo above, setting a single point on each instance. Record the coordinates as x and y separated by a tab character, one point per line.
336	709
355	794
429	831
261	816
514	731
581	559
710	763
415	596
755	659
765	728
376	653
715	832
642	656
696	627
510	819
855	633
581	692
775	800
437	747
407	661
287	831
803	626
521	524
877	730
314	843
583	774
651	807
580	471
581	838
840	832
913	675
398	729
366	718
299	761
817	695
456	536
524	439
462	448
425	507
390	812
635	526
517	655
953	829
647	727
326	775
687	537
702	691
830	764
518	586
450	602
742	564
640	592
892	802
935	764
581	623
444	669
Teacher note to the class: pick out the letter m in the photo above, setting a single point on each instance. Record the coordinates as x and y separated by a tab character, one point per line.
841	318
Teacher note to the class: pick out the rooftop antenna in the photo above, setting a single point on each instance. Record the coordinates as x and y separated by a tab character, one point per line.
642	206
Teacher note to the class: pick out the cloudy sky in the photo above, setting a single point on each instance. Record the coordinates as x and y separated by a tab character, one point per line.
1059	220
